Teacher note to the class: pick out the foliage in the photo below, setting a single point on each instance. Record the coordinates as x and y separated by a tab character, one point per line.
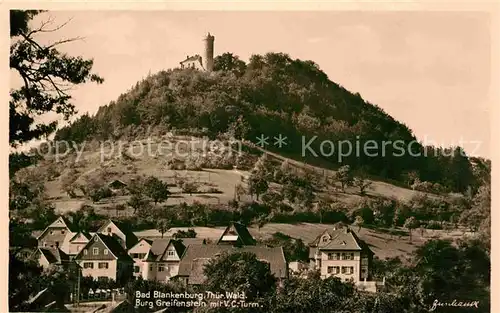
47	75
257	185
344	176
190	233
156	189
240	272
276	94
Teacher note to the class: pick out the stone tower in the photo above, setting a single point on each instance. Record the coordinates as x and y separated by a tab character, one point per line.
208	53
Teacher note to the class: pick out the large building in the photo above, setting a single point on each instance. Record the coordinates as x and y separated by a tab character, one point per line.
103	256
205	62
341	253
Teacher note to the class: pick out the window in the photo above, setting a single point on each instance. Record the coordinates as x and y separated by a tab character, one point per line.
136	269
57	244
364	261
344	269
325	239
95	251
161	267
336	270
330	256
330	269
103	265
45	245
51	232
105	251
351	270
62	232
151	267
88	265
85	252
109	229
352	256
171	253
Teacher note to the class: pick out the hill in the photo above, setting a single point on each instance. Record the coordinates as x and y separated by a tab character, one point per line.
276	95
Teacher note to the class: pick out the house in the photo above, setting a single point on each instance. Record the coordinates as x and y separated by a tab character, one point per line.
117	184
56	235
163	259
77	242
104	256
235	238
52	256
138	253
236	234
339	252
120	231
193	62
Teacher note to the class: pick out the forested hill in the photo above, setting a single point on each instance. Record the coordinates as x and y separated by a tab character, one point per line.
272	94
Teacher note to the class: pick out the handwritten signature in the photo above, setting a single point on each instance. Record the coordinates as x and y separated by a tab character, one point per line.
454	303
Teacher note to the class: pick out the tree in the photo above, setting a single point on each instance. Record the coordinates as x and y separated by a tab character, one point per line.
411	223
362	184
47	75
240	272
68	180
229	62
190	187
344	176
257	185
359	222
190	233
137	201
239	191
163	225
156	189
320	208
263	167
23	277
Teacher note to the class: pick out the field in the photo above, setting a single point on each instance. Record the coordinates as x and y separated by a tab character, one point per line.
154	158
383	244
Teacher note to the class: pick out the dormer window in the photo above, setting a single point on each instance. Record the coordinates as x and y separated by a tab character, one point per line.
109	230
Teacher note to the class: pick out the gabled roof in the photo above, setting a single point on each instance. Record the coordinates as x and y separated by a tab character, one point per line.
160	246
54	256
59	222
196	257
117	184
83	233
111	244
340	239
244	236
131	238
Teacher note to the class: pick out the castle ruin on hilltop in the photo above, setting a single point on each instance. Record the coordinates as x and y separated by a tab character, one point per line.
205	62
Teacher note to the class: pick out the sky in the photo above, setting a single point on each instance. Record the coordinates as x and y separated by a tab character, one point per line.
428	70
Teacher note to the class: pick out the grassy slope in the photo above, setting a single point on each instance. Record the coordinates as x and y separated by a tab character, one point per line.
383	244
223	180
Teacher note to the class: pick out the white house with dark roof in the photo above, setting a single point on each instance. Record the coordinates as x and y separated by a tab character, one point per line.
162	261
138	253
340	252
